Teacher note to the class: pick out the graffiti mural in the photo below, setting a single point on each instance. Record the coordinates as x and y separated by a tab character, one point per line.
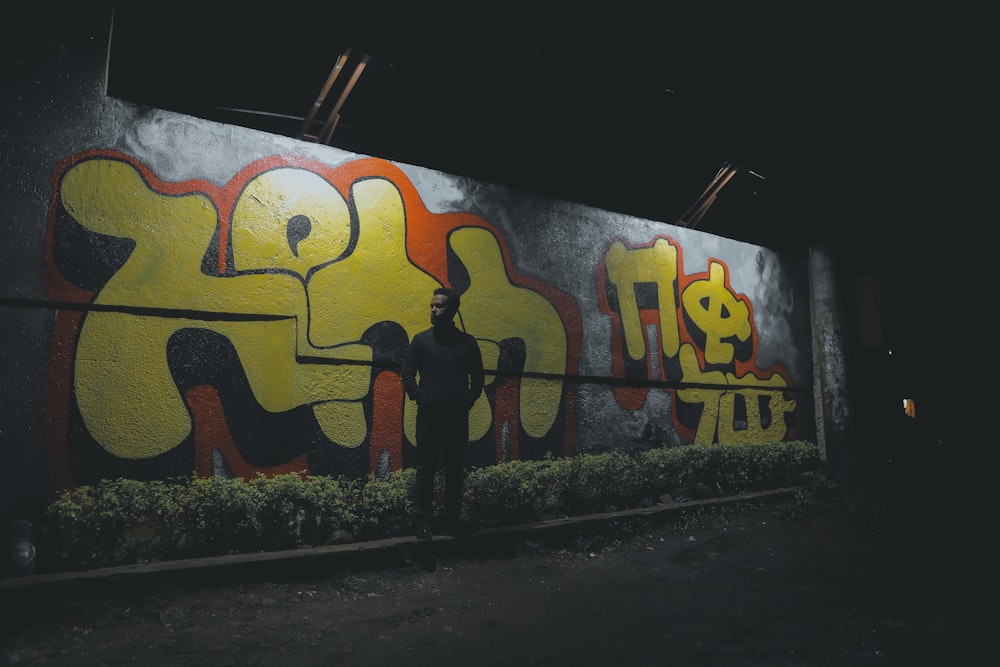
259	327
694	336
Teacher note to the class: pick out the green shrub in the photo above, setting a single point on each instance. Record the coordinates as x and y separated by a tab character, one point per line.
502	494
385	507
604	482
215	516
126	521
295	510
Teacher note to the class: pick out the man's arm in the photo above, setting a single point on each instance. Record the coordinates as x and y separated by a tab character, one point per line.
476	374
408	373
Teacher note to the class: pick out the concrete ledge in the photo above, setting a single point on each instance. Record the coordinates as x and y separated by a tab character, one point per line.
390	552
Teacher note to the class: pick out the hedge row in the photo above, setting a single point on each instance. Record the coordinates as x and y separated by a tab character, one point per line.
125	521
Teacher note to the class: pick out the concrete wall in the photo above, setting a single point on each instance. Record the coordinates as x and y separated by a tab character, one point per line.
181	297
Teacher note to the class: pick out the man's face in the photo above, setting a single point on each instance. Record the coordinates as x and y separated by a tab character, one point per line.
439	309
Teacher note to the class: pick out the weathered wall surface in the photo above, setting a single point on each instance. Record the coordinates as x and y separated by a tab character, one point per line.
184	297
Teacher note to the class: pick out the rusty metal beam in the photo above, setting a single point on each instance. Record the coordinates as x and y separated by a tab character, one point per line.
321	98
334	117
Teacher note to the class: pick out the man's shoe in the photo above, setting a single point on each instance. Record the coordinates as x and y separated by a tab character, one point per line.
424	532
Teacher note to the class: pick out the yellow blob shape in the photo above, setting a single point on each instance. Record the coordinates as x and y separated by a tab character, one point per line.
124	389
755	431
496	309
125	392
718	313
289	219
709	398
656	265
342	423
377	282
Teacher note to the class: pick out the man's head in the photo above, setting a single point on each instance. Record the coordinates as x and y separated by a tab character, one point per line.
444	305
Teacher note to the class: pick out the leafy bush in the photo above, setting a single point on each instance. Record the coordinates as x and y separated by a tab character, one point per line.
385	506
295	511
125	521
211	516
503	494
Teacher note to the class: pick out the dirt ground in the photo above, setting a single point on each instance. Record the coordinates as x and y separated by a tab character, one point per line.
764	585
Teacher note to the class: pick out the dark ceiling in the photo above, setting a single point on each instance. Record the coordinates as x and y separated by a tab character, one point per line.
632	111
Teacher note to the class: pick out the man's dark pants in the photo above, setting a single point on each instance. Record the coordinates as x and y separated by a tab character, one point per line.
442	433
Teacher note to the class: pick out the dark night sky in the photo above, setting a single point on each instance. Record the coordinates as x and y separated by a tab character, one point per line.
634	110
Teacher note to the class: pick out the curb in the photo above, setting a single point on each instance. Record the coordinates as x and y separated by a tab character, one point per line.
371	554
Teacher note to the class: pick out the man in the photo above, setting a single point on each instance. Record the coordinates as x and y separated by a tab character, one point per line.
450	369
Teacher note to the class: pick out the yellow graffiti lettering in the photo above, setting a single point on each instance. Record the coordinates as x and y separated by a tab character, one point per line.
342	303
290	220
628	268
401	291
715	311
755	431
719	414
708	397
125	391
376	282
494	308
315	272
